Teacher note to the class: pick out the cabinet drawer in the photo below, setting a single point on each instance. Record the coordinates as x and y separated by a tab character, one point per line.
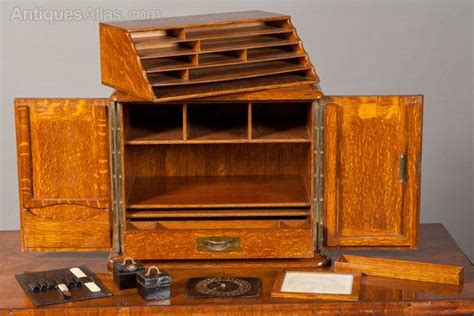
219	239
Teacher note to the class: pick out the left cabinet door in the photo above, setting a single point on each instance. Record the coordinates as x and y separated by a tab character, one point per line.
64	177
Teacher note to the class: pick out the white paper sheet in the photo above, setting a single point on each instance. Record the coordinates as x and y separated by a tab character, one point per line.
92	287
78	272
317	283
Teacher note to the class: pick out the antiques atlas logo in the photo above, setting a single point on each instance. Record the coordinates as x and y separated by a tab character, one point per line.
51	16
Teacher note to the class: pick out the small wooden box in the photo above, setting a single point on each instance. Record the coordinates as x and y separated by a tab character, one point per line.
400	269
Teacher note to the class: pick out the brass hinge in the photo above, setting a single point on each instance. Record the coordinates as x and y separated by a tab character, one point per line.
318	172
116	177
113	187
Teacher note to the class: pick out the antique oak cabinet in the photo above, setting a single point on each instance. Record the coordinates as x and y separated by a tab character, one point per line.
218	144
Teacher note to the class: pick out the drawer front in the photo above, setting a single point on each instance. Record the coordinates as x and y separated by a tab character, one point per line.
219	243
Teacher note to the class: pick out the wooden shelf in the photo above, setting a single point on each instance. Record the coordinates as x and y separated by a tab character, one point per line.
221	58
281	121
207	133
144	124
281	133
171	138
232	72
169	78
155	42
217	213
143	40
146	136
218	192
169	63
244	71
245	42
218	59
228	31
176	49
272	53
179	92
217	121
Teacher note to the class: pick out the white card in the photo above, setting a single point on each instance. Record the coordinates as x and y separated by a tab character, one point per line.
78	273
317	283
92	287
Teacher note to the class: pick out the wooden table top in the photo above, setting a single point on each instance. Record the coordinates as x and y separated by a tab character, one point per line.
377	294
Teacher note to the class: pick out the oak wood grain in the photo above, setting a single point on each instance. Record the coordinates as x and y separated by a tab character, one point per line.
207	57
217	159
306	92
63	167
401	269
120	68
180	241
366	201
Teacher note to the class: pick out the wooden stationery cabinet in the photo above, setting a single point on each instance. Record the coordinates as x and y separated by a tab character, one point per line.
178	165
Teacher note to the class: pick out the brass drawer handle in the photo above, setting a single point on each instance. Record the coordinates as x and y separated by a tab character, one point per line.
218	244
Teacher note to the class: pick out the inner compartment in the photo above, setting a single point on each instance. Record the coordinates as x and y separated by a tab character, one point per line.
277	52
288	120
193	88
218	176
222	58
150	39
250	41
216	121
247	70
169	63
143	122
167	49
169	78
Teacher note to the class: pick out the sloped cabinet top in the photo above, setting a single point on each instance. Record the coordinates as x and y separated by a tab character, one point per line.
188	57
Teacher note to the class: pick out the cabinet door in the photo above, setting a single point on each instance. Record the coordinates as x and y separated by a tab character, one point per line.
63	167
372	170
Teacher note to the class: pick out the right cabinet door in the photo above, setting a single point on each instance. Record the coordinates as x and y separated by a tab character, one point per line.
372	158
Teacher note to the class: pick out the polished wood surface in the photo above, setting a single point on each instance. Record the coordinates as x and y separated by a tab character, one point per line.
63	167
378	295
205	55
218	191
371	195
228	212
120	68
400	269
303	93
256	238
